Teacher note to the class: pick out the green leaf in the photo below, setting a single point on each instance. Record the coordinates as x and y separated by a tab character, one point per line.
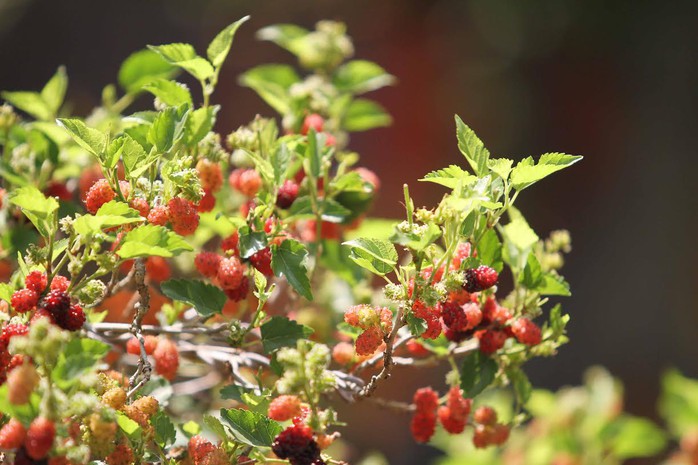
532	275
271	82
282	332
359	76
29	102
162	132
477	373
37	207
283	35
526	172
90	139
377	256
287	260
500	166
184	56
363	114
191	428
450	177
220	46
472	148
165	433
280	160
152	240
635	437
80	357
250	242
6	291
53	92
678	403
24	412
200	122
215	425
522	385
142	67
251	428
489	250
553	284
520	234
170	93
136	160
332	211
416	325
417	241
130	428
112	213
205	298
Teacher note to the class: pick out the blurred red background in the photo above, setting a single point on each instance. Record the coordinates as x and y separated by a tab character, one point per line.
614	81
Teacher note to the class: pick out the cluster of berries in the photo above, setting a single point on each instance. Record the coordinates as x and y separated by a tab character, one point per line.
298	445
52	301
376	323
487	431
211	178
163	350
228	271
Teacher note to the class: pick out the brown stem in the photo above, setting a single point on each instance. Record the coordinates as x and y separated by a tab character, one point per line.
142	374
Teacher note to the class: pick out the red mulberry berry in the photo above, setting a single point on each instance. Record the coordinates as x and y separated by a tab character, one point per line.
11	330
157	269
207	202
491	340
159	215
247	181
262	261
166	358
369	176
57	303
36	281
451	423
12	435
60	283
432	317
480	278
296	444
312	121
417	349
526	331
230	243
423	425
454	316
369	341
39	439
500	434
183	216
230	273
140	204
73	319
461	254
485	415
121	455
99	194
199	448
483	436
288	192
207	263
239	293
59	190
426	400
284	408
343	353
458	405
24	300
133	347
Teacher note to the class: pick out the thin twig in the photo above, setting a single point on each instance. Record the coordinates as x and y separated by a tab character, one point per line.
142	374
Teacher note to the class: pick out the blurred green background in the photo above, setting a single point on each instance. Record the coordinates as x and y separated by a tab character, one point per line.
614	81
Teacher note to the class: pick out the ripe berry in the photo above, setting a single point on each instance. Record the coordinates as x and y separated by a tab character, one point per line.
284	408
230	273
312	121
57	303
459	406
39	439
11	330
216	457
239	293
426	400
417	349
157	269
60	283
24	300
288	192
485	415
159	215
133	347
99	194
140	204
451	423
73	319
166	359
482	437
58	189
12	435
199	448
480	278
462	252
500	434
122	455
422	426
230	243
491	340
207	202
454	316
207	263
183	216
210	174
343	353
21	383
262	261
526	331
432	317
369	341
296	444
36	281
